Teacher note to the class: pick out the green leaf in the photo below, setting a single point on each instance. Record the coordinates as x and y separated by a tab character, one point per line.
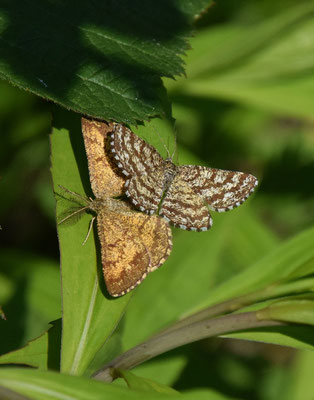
298	336
302	376
39	385
34	297
142	384
247	239
103	59
278	265
230	47
268	65
296	310
89	314
34	354
43	292
42	352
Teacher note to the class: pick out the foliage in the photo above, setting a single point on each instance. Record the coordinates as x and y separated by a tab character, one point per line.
104	59
246	104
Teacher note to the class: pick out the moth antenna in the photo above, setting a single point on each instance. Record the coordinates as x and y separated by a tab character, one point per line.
175	145
73	193
89	230
163	143
72	215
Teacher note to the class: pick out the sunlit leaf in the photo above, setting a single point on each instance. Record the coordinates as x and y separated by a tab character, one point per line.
38	385
89	313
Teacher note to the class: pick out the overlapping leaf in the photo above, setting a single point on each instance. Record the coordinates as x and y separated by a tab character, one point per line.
103	59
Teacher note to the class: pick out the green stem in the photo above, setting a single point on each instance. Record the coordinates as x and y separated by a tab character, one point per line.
237	303
169	340
8	394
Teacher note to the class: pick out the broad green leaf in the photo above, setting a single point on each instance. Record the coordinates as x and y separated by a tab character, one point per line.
143	384
39	385
103	59
42	352
268	65
89	314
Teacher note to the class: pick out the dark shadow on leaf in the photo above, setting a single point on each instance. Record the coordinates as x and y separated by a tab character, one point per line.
116	50
54	345
14	327
289	174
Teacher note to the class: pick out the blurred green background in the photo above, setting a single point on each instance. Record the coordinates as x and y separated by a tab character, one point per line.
241	108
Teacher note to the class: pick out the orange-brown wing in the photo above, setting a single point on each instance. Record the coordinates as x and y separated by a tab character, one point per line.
125	259
132	245
155	234
104	176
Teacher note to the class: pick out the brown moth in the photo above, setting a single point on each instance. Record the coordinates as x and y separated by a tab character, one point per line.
132	243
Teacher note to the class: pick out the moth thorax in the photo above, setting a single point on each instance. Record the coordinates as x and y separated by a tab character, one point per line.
170	173
98	204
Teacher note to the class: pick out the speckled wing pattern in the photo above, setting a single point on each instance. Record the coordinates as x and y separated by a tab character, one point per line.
183	194
222	190
132	244
135	157
184	208
146	190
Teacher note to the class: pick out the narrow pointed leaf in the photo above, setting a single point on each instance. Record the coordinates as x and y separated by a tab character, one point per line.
42	352
39	385
89	314
142	384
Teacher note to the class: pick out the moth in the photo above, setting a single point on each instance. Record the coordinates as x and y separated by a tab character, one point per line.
132	244
182	195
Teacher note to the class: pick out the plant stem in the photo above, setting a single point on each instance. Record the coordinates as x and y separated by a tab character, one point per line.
171	339
9	394
237	303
